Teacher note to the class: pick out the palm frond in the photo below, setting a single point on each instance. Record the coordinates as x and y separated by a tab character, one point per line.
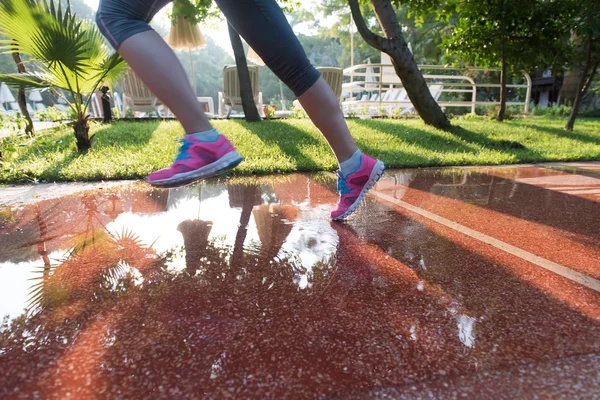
70	52
27	80
37	298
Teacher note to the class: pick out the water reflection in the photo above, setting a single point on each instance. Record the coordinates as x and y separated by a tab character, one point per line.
247	289
111	241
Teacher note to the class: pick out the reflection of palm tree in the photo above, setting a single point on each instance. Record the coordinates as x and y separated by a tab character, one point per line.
42	251
195	239
90	299
96	256
273	224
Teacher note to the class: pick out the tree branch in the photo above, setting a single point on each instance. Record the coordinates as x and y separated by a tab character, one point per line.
372	39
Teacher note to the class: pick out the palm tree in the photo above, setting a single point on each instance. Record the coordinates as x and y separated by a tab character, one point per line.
67	54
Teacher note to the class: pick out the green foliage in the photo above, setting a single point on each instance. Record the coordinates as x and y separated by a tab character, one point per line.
195	11
491	111
51	114
340	31
270	112
299	113
530	34
66	53
422	28
13	123
555	111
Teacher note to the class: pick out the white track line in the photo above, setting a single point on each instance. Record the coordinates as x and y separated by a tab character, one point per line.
558	269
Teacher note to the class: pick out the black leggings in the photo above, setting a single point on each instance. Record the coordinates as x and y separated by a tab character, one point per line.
260	22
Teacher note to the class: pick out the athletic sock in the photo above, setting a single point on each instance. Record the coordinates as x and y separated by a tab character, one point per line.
352	164
207	136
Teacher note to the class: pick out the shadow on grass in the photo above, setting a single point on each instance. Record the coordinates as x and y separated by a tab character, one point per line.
487	142
427	140
561	133
396	158
124	134
108	135
288	138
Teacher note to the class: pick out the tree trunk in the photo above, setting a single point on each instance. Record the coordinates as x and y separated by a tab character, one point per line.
22	97
82	134
590	78
581	86
503	78
250	110
402	59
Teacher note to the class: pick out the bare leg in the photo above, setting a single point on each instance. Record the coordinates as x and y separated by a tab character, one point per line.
156	64
322	107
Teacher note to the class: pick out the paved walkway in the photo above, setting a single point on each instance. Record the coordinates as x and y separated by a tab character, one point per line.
37	125
448	283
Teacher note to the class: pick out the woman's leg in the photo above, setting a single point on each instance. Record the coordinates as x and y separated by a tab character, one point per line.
204	151
125	25
156	64
265	28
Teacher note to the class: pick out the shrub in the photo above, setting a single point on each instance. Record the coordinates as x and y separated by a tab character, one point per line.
51	114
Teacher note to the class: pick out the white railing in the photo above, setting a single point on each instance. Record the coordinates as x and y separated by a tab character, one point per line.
380	78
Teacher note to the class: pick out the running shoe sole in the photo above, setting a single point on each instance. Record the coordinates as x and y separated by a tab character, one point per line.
224	164
376	174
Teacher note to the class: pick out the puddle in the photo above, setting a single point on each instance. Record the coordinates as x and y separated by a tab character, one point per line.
245	288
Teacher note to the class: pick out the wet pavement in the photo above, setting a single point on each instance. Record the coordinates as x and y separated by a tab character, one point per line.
448	283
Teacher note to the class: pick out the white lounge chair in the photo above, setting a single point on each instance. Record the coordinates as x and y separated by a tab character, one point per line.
14	107
62	107
210	105
435	90
230	98
117	101
95	109
334	78
137	97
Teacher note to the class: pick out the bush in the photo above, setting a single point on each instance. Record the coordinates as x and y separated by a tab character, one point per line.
455	110
591	114
299	113
554	111
363	110
270	112
14	123
491	111
50	114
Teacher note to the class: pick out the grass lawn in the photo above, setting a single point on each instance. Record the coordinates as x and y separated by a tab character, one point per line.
125	150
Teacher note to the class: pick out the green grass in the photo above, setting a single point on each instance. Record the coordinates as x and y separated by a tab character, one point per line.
126	150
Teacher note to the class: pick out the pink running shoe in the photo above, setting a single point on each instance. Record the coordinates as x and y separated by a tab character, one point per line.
197	160
354	187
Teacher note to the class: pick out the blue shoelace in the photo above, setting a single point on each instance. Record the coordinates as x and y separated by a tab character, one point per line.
342	187
183	150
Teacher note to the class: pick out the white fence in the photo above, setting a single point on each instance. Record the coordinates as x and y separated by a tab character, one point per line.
378	85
